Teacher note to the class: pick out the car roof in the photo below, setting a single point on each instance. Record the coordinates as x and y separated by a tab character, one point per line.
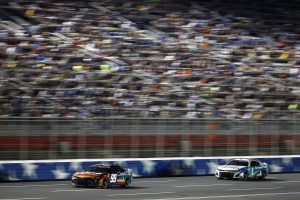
101	165
246	159
241	159
104	165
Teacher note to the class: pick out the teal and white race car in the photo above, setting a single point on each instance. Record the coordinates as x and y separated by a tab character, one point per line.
242	169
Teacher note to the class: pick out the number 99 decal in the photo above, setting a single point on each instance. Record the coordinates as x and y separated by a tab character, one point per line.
113	178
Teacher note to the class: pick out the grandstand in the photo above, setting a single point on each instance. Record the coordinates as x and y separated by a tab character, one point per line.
167	77
200	59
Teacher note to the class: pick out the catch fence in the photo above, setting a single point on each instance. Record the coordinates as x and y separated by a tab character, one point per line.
23	139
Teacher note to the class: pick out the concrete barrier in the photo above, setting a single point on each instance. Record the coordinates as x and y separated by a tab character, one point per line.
142	167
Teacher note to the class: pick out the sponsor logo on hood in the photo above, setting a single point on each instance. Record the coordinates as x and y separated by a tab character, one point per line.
86	174
230	167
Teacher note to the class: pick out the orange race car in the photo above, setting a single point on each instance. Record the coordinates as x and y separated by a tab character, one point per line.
103	176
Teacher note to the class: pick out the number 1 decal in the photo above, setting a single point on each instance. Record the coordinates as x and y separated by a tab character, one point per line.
113	178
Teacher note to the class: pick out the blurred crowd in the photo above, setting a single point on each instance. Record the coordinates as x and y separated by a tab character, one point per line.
151	58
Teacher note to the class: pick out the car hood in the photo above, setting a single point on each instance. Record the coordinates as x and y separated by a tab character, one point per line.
230	167
87	174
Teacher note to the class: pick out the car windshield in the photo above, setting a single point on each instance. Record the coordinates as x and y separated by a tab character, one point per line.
99	169
238	162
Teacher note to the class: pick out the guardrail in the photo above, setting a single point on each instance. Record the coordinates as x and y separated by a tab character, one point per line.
147	167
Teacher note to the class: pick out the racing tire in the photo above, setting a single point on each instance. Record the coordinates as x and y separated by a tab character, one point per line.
127	183
245	175
104	184
263	176
73	185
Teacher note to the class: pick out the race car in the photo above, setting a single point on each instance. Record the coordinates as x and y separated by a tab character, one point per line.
242	169
103	176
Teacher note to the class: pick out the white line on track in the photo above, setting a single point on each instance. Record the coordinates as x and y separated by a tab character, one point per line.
228	196
26	198
153	181
135	194
183	186
25	186
287	182
249	189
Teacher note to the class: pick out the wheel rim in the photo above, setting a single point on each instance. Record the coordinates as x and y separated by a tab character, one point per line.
104	185
127	182
245	175
264	174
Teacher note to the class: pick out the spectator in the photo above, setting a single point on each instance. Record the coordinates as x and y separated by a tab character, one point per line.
147	58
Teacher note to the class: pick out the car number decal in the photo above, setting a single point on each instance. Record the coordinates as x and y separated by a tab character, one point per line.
113	178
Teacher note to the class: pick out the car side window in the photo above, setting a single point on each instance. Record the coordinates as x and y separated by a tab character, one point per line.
122	169
116	169
254	164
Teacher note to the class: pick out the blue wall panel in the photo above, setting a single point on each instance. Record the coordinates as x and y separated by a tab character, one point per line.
63	169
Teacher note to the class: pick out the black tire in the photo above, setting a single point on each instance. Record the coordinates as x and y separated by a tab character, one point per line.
127	182
73	185
104	184
245	175
263	176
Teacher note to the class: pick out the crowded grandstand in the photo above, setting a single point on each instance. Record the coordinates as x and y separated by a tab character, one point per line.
154	58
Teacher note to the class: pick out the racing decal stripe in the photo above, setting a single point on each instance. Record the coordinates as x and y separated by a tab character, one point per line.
86	176
254	173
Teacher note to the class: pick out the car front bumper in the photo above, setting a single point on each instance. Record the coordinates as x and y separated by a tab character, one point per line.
229	174
84	182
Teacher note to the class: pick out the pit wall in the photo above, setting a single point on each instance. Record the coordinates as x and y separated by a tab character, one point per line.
141	167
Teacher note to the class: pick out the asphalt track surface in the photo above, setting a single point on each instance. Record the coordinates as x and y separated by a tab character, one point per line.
276	186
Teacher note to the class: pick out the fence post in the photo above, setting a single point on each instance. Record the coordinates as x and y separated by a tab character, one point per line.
24	141
135	134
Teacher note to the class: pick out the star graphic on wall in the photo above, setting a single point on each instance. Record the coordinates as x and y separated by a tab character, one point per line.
287	161
121	163
135	172
29	170
75	166
212	166
275	168
148	166
189	163
200	171
60	172
12	176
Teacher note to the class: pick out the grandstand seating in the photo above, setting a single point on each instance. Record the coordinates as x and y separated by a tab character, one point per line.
199	59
